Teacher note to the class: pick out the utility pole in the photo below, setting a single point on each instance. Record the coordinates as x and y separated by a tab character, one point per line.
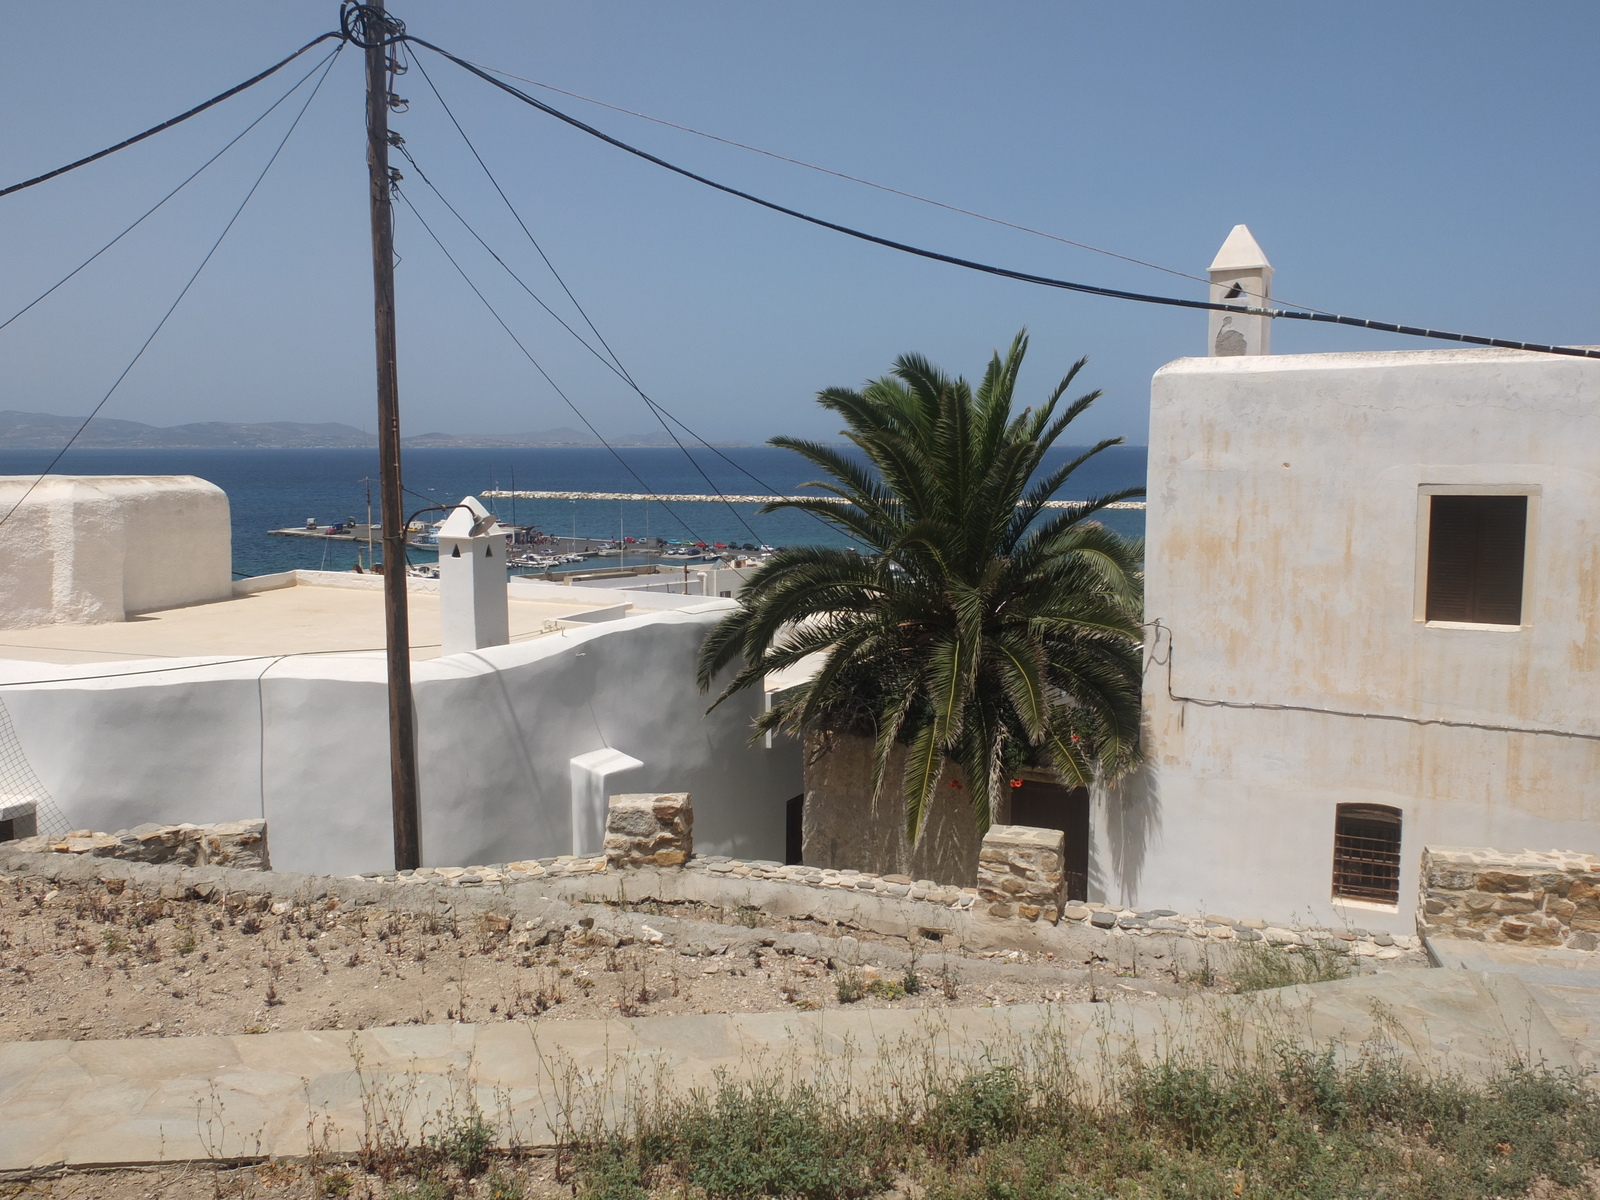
375	30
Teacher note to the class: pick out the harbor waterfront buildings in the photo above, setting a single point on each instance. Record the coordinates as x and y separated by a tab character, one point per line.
1373	625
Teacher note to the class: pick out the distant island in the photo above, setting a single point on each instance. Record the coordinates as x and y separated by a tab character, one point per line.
45	431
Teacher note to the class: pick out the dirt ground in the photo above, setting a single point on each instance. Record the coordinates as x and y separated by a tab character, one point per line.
81	962
533	1178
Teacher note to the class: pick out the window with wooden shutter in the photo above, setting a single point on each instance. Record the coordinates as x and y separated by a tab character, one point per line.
1366	853
1476	546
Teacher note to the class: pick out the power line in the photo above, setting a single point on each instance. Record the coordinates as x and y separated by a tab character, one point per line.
882	187
614	363
161	324
1006	272
526	353
168	124
615	368
149	211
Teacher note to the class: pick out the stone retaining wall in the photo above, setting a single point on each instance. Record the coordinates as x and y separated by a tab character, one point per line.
1529	897
651	829
1020	872
238	844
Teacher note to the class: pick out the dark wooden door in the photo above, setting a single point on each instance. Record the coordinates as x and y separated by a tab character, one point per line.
1051	806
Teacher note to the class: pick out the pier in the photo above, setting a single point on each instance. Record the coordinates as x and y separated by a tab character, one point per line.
692	498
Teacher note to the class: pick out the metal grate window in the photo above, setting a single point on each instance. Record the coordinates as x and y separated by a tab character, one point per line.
1366	853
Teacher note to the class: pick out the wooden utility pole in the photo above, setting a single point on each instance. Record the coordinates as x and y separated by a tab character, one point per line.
402	713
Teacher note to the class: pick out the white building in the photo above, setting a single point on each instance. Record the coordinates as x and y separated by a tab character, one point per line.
1375	585
272	702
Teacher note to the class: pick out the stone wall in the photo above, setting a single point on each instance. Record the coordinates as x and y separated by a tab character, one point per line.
239	844
1020	872
650	829
1524	896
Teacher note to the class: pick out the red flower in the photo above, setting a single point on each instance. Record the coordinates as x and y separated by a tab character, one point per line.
1016	783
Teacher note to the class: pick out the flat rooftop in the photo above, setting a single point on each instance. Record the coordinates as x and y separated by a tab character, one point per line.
304	617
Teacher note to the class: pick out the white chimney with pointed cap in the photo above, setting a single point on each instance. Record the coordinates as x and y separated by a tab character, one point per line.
1240	274
473	608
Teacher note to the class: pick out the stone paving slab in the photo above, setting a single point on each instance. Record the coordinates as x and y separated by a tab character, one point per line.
97	1104
1565	983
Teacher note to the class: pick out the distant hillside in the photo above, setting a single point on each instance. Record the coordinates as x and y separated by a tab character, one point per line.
44	431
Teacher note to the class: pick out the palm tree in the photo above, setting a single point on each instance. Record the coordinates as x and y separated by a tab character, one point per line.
983	630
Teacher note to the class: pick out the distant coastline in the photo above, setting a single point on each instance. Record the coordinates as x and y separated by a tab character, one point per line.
46	431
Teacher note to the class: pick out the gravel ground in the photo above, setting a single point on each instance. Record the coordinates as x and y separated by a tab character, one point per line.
81	961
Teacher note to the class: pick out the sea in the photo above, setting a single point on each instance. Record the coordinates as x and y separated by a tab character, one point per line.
277	489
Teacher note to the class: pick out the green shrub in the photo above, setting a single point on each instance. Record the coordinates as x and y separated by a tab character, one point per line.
465	1143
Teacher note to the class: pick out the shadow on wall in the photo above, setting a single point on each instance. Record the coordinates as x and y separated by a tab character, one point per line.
847	828
1131	810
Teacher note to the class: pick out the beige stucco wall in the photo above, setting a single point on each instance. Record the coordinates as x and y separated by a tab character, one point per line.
847	828
82	549
1285	567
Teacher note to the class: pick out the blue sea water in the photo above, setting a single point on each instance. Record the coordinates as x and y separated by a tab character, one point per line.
274	489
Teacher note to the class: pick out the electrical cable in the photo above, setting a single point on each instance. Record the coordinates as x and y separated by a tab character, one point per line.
882	187
1290	314
616	368
1446	722
177	120
614	363
149	211
406	200
174	306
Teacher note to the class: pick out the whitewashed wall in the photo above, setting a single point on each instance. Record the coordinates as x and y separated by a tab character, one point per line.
89	548
304	742
1283	563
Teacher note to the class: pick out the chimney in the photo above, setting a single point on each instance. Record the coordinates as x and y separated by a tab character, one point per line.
1240	274
472	581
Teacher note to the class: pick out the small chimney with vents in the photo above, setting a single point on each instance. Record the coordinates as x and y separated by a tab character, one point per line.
473	610
1240	274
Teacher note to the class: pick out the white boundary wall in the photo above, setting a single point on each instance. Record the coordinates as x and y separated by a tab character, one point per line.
83	549
1286	562
303	742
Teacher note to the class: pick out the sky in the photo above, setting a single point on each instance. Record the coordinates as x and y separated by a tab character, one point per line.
1425	163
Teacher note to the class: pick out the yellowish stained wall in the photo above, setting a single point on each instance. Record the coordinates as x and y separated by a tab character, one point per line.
1284	567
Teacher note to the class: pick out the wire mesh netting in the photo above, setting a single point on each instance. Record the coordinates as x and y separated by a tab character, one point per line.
23	799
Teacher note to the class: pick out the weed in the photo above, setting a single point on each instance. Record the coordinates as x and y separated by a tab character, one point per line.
1258	965
335	1185
949	981
503	1186
849	986
465	1143
911	982
887	989
185	945
114	942
748	915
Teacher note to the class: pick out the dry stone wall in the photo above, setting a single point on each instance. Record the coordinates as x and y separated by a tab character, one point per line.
1529	897
239	844
1020	872
651	829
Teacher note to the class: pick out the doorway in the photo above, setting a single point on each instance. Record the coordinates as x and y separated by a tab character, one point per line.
794	829
1051	806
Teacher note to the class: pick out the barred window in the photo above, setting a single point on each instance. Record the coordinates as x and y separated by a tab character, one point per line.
1366	853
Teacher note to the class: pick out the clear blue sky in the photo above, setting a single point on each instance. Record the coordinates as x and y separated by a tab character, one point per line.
1432	163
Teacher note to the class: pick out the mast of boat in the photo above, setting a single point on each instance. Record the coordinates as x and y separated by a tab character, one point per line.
368	481
375	31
